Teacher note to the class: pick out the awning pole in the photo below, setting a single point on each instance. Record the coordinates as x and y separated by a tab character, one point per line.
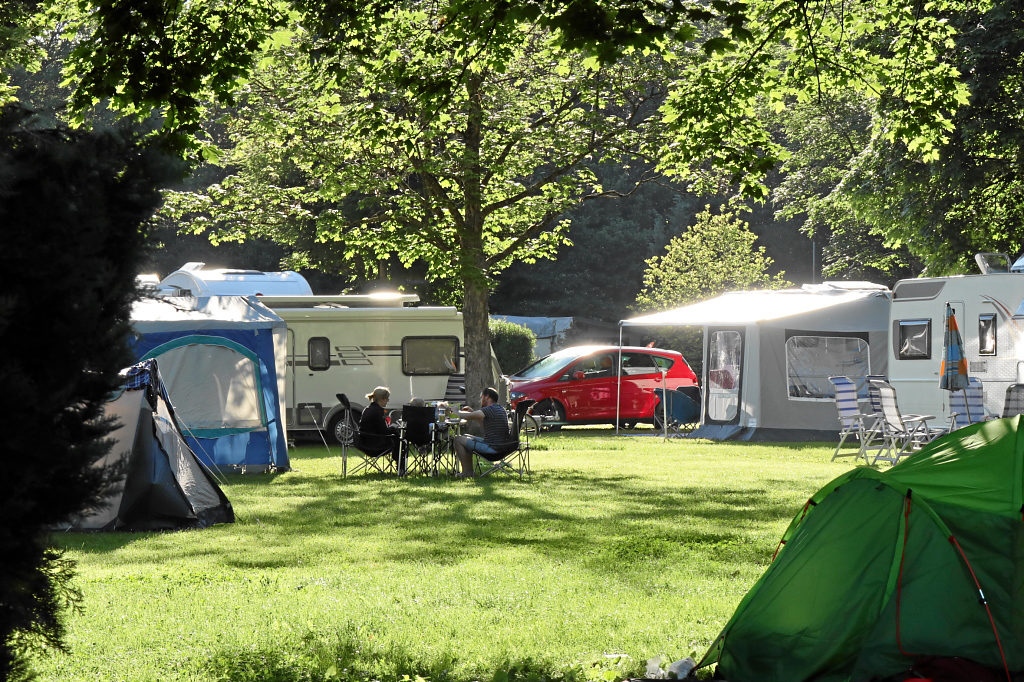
664	403
618	382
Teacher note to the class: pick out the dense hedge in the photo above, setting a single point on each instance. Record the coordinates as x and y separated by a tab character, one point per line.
71	203
513	344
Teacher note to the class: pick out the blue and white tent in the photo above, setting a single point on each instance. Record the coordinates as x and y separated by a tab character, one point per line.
164	485
222	359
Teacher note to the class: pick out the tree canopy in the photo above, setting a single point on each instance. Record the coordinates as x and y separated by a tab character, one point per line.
714	255
165	54
824	138
971	199
349	156
903	58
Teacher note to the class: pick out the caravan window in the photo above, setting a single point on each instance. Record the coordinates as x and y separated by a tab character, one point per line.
430	355
319	353
915	339
812	359
987	334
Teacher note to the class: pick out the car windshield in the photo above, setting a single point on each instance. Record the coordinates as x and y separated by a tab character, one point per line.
549	364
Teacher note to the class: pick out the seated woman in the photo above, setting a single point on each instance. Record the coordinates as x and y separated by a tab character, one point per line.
375	436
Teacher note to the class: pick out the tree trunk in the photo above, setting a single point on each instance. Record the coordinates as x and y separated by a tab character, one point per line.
478	346
474	307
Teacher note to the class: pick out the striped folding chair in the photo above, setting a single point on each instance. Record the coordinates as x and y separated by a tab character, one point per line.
903	433
1014	402
852	422
967	407
874	436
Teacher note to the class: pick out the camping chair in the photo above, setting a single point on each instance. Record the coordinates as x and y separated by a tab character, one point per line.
874	438
902	433
852	421
1014	402
873	395
967	407
422	438
514	455
683	411
381	462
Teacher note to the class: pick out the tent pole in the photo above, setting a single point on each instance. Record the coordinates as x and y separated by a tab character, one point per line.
664	403
618	382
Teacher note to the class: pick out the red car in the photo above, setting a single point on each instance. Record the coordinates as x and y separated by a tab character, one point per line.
578	385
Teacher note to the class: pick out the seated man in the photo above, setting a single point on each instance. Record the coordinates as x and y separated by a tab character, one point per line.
495	422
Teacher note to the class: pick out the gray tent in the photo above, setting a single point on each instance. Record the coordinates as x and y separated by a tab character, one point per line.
768	356
165	485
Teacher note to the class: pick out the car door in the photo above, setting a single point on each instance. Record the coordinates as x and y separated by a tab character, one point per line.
640	376
589	388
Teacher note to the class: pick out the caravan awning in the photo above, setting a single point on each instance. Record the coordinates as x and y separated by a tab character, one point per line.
747	307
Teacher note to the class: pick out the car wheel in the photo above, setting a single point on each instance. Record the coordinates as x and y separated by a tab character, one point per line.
343	428
549	411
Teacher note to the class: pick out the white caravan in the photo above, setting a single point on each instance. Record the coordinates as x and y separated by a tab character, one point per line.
351	343
993	336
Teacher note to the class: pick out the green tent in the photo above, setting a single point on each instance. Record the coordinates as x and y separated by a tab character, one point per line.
881	567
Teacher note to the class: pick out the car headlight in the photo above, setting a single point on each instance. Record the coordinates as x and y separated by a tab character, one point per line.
514	396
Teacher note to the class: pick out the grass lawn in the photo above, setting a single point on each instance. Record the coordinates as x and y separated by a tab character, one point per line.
616	550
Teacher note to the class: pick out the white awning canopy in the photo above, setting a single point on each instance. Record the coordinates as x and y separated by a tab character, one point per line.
747	307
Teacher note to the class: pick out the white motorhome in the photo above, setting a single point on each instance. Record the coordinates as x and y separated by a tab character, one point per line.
351	343
984	305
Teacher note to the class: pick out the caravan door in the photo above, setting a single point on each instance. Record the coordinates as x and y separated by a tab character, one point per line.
723	369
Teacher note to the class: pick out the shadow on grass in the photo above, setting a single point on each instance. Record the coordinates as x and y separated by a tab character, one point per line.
618	518
611	520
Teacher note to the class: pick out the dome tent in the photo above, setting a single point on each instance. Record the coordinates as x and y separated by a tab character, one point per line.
881	568
165	485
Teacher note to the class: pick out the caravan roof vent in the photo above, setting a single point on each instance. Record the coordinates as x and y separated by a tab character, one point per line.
989	263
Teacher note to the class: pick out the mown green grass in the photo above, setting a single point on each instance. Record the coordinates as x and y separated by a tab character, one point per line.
614	551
